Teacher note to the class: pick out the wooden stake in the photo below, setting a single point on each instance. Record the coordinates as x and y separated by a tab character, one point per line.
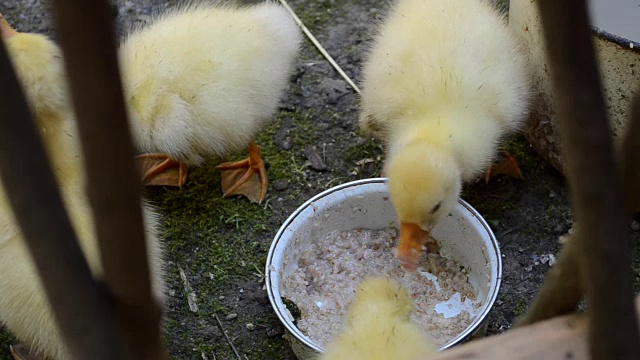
594	181
631	158
80	308
114	189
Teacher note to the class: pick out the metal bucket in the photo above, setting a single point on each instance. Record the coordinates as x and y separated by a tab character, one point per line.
618	53
464	235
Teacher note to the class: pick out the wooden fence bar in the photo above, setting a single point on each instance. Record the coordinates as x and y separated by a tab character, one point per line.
79	306
114	188
594	181
631	159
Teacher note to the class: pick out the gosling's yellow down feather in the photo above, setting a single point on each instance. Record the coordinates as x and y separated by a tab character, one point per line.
377	326
24	308
202	80
442	84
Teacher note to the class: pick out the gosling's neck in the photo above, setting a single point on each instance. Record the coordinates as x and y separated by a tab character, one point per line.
434	131
418	147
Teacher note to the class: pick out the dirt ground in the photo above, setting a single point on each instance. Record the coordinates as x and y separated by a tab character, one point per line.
219	246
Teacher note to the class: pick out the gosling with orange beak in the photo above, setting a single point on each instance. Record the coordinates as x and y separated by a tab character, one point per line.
424	184
443	83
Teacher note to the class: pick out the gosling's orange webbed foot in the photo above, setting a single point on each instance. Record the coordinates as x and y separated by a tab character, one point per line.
19	352
506	165
161	170
247	177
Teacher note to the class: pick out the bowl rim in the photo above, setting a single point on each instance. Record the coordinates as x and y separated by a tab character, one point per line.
628	44
301	337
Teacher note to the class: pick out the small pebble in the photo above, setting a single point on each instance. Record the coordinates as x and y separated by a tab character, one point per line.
287	144
260	297
323	126
555	212
563	239
221	297
210	332
287	106
250	327
316	162
275	331
331	86
231	316
281	184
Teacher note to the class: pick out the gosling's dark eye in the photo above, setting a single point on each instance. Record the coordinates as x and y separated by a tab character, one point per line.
436	208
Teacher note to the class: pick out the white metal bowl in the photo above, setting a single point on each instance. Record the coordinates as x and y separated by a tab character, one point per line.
464	235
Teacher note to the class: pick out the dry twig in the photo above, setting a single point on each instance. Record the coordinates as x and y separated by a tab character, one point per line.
319	46
235	351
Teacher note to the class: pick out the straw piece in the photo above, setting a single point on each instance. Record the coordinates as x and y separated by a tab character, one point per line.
319	47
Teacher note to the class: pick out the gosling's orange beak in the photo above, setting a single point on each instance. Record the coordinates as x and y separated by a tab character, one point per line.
6	31
412	237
